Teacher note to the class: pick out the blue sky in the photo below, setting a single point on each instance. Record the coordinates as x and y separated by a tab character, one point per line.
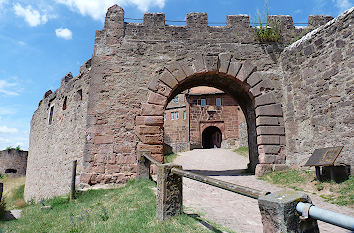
42	40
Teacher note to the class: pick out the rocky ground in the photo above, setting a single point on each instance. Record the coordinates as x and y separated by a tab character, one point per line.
234	211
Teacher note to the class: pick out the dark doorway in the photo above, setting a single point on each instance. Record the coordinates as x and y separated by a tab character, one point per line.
211	137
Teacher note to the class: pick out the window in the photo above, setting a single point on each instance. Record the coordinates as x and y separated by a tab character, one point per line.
164	116
203	102
175	100
79	94
218	101
184	115
174	115
51	115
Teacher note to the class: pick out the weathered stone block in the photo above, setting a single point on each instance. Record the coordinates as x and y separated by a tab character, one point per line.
246	70
167	78
269	110
265	99
262	87
154	149
157	99
279	213
274	130
224	61
254	79
169	193
106	139
177	71
262	169
211	63
198	64
267	120
155	139
319	20
152	110
268	139
142	129
149	120
234	68
268	149
188	70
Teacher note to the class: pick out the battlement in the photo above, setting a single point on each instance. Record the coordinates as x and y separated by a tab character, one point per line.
154	27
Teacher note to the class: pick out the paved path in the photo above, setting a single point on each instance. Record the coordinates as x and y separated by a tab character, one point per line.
239	213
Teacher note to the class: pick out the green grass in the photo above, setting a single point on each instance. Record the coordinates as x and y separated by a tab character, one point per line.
242	151
131	208
339	194
169	158
13	191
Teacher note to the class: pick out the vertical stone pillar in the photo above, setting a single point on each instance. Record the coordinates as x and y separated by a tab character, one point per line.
143	169
169	192
279	213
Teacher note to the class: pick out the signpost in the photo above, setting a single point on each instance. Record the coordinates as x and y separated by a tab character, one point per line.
324	157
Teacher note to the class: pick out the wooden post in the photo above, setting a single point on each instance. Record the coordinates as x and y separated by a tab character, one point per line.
1	190
73	179
331	171
318	173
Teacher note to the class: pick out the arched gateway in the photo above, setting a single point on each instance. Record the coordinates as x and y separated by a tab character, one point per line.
240	79
211	137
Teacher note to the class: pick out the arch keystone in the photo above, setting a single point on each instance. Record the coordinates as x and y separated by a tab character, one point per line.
177	71
167	78
211	63
198	64
224	61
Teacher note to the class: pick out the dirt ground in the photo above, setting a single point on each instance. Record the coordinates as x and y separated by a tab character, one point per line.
237	212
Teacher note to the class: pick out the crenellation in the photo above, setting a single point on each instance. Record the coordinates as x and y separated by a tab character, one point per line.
285	23
238	21
318	20
153	20
197	20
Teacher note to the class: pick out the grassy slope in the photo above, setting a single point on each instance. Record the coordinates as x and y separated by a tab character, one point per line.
340	194
242	151
127	209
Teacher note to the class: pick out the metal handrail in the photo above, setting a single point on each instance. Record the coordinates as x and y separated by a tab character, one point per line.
314	212
249	192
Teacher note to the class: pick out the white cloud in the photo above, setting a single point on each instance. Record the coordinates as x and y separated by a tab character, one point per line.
3	2
97	8
343	5
6	88
5	129
32	17
64	33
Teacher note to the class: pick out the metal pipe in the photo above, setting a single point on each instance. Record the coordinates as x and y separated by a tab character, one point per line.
154	161
327	216
249	192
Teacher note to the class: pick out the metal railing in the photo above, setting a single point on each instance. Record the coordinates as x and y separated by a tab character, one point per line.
314	212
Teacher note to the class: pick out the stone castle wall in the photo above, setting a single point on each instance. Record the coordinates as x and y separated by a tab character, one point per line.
103	131
127	56
54	146
13	162
318	91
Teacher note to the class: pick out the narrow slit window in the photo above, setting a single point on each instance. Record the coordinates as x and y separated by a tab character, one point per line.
51	115
64	104
79	94
203	102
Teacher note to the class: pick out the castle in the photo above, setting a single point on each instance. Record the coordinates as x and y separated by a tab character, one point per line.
295	96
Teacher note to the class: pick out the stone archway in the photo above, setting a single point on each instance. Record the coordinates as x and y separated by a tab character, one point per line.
240	79
211	137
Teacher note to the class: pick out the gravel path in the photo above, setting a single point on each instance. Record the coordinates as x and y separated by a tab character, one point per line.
239	213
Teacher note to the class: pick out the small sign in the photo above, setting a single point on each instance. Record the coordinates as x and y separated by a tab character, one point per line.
324	156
